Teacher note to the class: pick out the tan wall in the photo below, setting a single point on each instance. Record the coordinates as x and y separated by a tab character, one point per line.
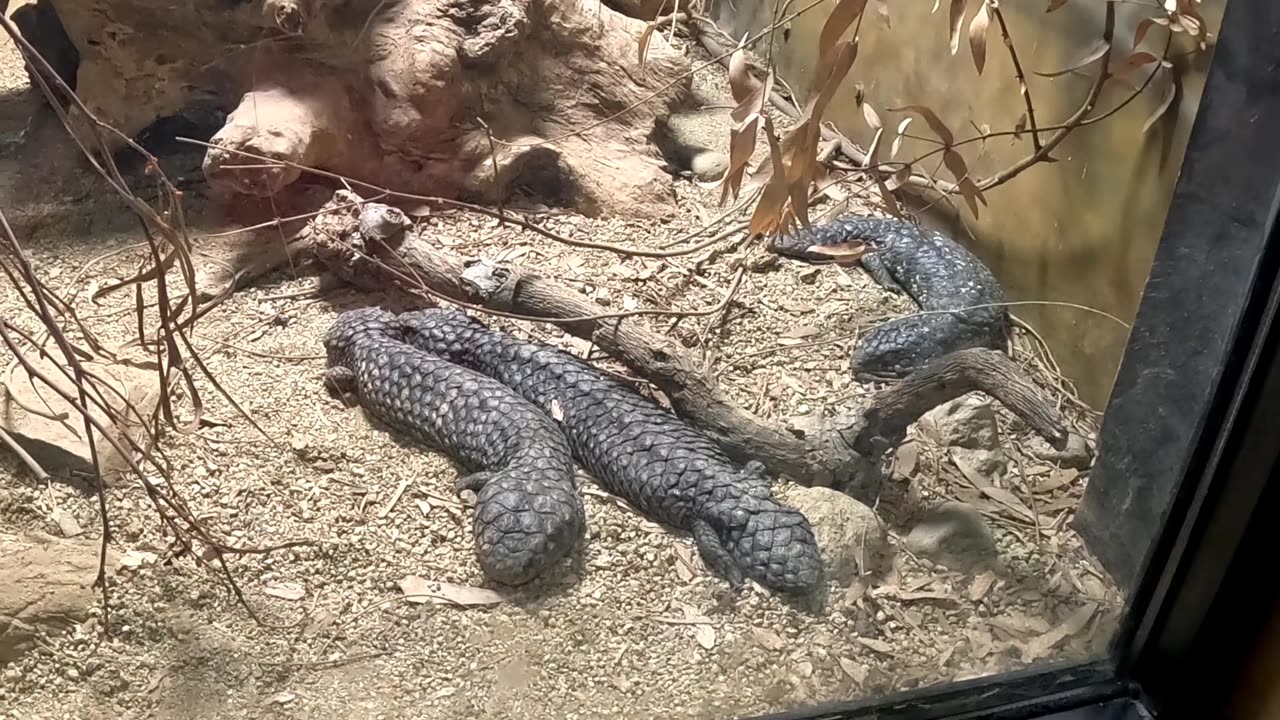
1082	230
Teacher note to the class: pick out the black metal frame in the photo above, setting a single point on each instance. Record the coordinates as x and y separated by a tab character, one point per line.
1189	422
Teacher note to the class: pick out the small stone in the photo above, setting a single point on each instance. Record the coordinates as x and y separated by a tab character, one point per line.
966	422
1077	454
850	535
708	165
955	535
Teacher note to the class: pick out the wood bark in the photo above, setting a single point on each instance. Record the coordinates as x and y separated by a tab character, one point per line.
373	248
421	96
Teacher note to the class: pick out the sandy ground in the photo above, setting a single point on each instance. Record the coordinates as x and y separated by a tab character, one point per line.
636	625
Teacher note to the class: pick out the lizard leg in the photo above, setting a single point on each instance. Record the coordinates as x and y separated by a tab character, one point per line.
875	267
714	554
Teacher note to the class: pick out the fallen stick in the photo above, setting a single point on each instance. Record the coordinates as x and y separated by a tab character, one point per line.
375	249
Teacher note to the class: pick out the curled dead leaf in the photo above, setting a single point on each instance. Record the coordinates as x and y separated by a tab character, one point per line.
897	140
1055	5
1039	647
1144	26
1166	101
898	178
1020	126
285	591
645	37
879	646
768	639
938	127
1010	501
1091	57
981	585
968	189
978	29
958	8
856	672
419	590
841	18
799	331
1125	66
873	119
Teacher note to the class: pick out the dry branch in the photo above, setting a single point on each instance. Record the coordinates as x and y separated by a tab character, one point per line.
846	454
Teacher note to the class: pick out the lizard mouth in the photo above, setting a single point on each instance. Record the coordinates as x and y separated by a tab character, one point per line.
842	253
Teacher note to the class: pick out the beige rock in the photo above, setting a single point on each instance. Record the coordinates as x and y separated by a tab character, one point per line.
61	445
968	422
46	585
850	535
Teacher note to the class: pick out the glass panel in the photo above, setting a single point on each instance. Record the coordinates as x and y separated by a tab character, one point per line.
688	457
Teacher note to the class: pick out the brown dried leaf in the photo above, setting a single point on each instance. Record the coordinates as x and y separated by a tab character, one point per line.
856	672
742	84
769	208
1054	5
705	635
978	28
1190	19
1093	56
751	96
958	8
938	127
842	16
856	591
1039	647
1010	501
768	639
285	591
873	119
956	164
1020	126
981	585
1124	67
897	140
873	152
799	331
1145	26
420	590
879	646
898	178
1171	91
1056	479
645	38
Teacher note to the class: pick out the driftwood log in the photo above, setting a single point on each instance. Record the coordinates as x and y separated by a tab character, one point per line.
376	248
421	96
